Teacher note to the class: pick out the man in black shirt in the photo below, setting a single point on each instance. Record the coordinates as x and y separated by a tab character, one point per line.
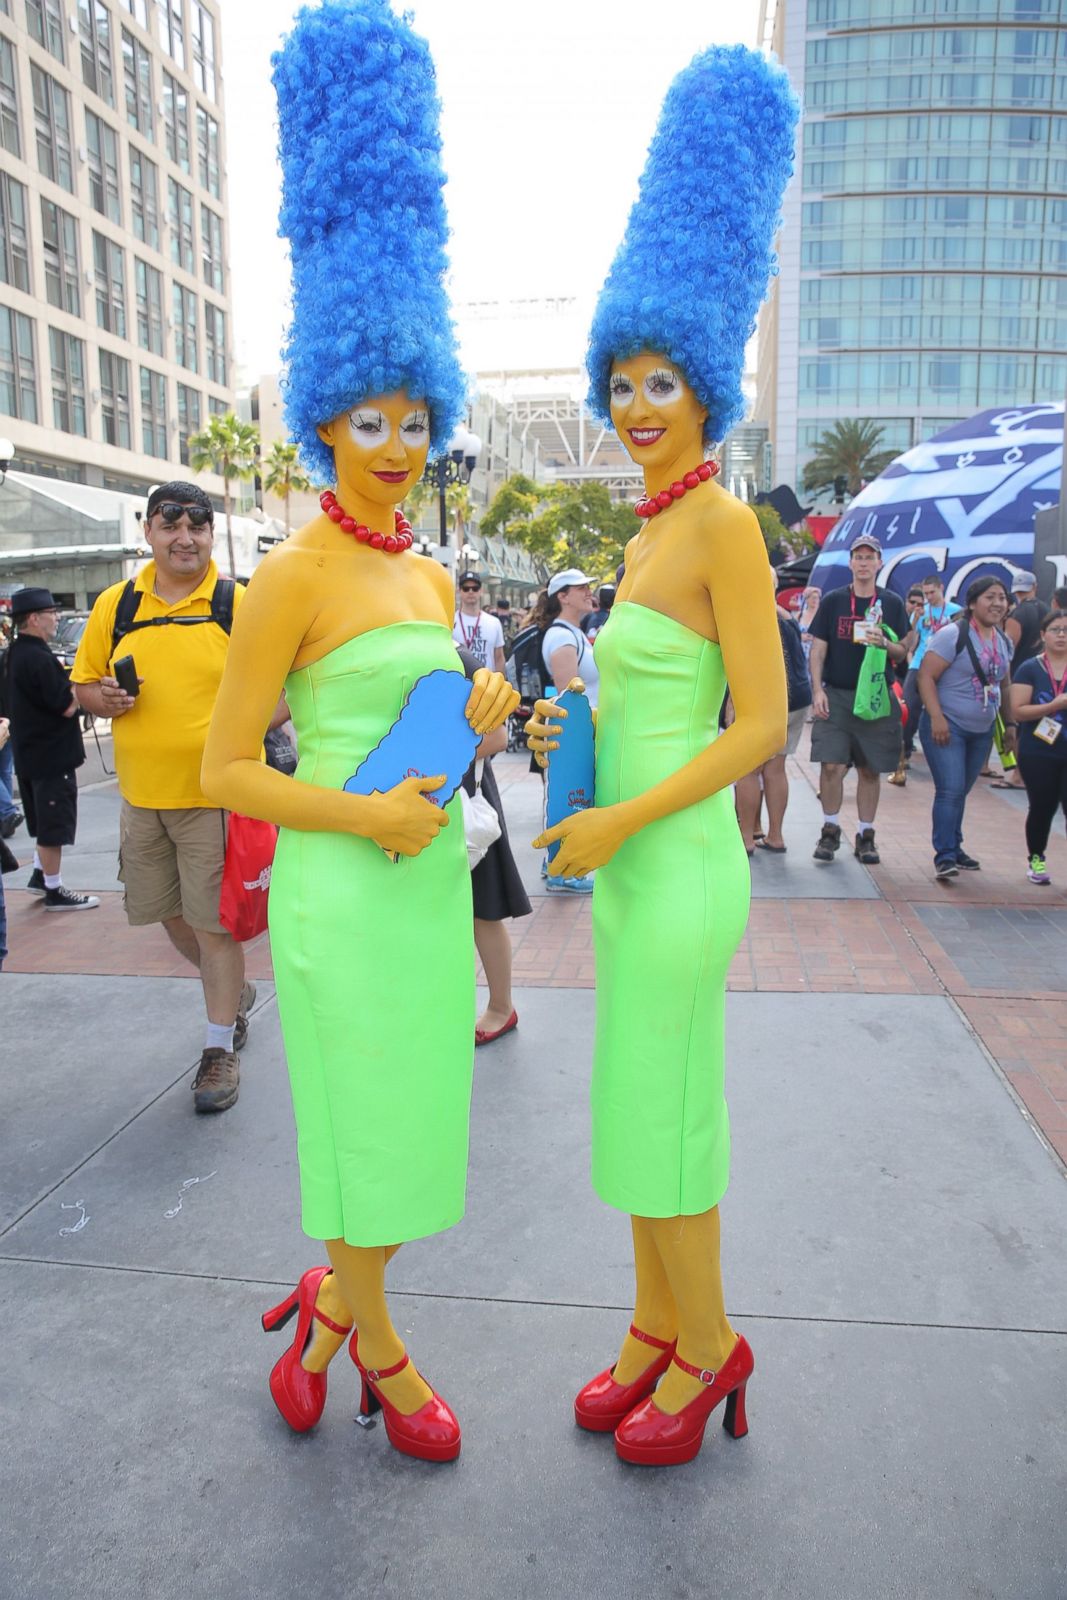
48	745
840	634
1023	626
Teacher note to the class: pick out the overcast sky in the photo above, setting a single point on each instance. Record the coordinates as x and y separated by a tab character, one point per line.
548	110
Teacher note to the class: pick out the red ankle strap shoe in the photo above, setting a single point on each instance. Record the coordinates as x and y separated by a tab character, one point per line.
650	1437
603	1403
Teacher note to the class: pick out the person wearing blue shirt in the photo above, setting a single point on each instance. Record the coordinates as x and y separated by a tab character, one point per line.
936	613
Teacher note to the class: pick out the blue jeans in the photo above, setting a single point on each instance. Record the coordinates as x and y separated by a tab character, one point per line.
7	781
954	767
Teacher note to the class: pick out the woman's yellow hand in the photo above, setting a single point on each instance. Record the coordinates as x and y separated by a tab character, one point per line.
492	700
403	820
543	731
587	840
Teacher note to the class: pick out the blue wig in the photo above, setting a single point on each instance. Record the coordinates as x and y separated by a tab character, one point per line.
694	263
364	214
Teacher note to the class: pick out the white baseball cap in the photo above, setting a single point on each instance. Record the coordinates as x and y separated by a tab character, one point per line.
571	579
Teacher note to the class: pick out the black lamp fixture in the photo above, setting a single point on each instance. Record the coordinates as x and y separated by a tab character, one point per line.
7	455
455	467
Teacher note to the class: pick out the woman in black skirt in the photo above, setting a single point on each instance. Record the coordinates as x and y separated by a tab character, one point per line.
498	895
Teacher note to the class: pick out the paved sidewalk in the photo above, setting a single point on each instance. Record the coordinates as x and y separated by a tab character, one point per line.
895	1248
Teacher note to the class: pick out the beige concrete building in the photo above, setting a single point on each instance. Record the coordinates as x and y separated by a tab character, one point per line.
115	313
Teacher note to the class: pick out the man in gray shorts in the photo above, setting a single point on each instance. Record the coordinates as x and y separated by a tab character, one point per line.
840	633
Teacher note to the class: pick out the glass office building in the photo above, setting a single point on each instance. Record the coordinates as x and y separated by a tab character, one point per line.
924	254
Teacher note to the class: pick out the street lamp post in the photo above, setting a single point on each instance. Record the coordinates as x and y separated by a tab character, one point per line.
454	467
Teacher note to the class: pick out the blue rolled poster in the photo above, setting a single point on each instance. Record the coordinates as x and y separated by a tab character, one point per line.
571	768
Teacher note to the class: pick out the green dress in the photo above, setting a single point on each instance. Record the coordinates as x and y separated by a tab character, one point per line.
669	911
374	966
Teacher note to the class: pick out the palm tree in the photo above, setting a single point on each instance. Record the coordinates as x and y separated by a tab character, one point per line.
283	475
848	450
229	447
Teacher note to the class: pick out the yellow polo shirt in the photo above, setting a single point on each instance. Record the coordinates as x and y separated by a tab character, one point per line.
159	744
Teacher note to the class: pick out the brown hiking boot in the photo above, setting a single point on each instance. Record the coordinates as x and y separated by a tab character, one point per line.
217	1078
240	1027
829	842
866	850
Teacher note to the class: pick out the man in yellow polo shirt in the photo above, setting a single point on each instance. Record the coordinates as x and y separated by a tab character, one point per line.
174	622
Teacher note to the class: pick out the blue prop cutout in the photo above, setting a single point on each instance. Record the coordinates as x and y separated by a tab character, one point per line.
430	736
572	768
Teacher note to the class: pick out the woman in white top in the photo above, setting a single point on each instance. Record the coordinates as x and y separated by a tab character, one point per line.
565	650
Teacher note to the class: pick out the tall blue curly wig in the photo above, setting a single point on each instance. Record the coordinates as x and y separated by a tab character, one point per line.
364	214
694	264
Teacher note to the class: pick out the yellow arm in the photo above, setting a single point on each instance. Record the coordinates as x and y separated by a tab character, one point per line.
732	562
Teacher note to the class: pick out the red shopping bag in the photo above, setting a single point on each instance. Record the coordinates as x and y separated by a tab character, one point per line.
899	692
246	876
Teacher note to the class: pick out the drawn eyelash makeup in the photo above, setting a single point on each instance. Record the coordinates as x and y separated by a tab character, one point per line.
368	427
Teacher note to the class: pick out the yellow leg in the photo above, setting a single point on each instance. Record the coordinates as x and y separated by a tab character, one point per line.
361	1277
689	1251
324	1343
654	1308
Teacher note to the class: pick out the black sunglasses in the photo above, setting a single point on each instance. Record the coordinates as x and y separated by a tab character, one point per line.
172	512
469	588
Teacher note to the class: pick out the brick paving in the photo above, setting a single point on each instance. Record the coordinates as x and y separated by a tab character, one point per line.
989	941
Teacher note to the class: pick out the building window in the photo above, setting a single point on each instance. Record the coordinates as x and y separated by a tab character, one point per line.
51	116
68	382
144	198
18	375
153	413
9	101
14	240
176	122
180	216
109	265
217	407
94	26
137	75
188	419
138	10
184	314
103	144
59	232
149	291
115	399
211	247
171	36
215	343
204	49
207	145
44	19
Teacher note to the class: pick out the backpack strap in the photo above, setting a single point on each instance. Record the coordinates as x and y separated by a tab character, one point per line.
222	604
125	612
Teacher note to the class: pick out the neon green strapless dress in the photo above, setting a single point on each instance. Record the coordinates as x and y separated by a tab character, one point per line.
374	966
669	911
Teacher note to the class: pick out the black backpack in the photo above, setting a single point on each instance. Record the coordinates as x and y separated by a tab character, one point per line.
130	598
524	667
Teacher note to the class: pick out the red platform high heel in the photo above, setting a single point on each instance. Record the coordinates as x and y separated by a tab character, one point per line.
603	1403
651	1438
299	1395
431	1433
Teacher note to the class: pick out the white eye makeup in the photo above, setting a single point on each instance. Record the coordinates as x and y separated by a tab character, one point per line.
620	389
662	386
369	427
415	428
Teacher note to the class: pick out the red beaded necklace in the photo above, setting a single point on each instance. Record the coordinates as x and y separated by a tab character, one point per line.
393	543
654	504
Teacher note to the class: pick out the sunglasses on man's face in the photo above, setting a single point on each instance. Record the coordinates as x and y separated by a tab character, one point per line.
468	588
172	512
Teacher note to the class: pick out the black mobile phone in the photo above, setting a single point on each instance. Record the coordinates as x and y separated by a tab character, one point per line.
125	673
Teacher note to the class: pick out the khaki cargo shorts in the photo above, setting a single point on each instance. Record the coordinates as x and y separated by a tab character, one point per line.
170	865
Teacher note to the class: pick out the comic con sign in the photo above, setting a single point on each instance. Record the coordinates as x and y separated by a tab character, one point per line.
962	504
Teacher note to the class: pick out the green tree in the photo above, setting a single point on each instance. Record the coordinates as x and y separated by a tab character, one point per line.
772	527
562	524
229	447
848	450
283	475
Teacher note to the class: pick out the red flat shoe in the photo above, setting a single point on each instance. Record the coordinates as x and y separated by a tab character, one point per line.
650	1438
603	1403
299	1395
481	1036
431	1434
